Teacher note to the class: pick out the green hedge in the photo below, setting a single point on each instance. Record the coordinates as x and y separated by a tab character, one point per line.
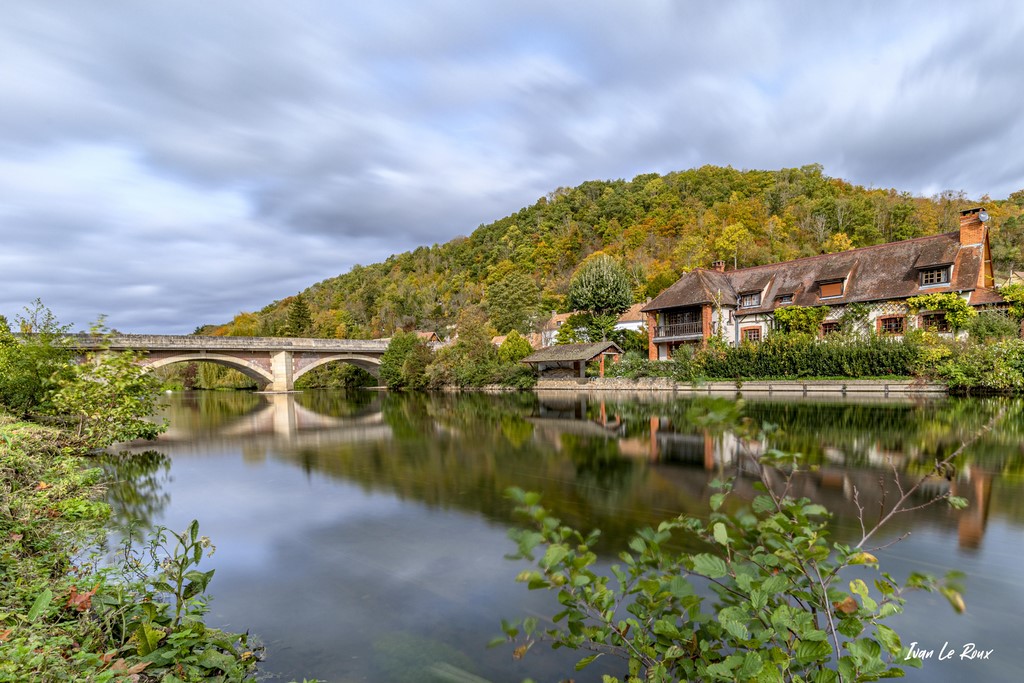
782	356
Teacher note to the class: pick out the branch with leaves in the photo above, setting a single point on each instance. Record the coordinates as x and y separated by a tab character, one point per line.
765	600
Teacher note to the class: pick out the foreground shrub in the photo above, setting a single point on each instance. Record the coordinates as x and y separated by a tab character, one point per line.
989	326
979	368
768	598
139	618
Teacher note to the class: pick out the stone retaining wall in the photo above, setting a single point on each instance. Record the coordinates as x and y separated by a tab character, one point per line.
782	388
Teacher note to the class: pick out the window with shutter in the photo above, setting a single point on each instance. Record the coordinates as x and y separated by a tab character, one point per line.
831	289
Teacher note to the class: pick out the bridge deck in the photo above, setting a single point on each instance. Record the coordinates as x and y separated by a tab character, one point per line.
181	342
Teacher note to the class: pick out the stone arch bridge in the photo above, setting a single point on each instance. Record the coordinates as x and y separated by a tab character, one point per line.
273	362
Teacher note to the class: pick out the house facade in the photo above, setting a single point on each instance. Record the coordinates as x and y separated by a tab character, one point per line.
739	305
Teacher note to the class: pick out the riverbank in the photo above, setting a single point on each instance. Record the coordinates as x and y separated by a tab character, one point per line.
62	617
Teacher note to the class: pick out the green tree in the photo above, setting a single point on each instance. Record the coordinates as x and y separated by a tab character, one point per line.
583	328
29	364
512	302
397	371
601	286
110	397
514	348
729	242
299	318
631	340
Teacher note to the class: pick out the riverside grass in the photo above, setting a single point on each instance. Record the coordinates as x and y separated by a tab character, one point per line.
61	618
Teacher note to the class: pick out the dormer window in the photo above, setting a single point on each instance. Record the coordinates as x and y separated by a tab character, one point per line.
783	299
750	300
830	289
935	276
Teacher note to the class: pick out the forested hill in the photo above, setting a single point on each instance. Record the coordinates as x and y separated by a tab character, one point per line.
517	268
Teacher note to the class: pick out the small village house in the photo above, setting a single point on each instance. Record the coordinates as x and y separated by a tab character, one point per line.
739	305
570	360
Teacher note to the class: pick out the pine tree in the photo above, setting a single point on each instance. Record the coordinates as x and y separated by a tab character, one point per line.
299	318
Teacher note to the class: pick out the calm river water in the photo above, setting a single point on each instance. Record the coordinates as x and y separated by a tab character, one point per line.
362	536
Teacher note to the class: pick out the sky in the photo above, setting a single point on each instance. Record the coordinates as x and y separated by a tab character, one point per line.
172	164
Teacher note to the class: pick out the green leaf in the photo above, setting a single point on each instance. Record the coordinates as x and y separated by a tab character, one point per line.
955	599
147	639
41	603
825	676
721	535
732	620
808	651
709	565
579	580
716	500
637	545
679	587
895	672
664	627
752	663
724	668
865	650
554	554
850	627
889	609
212	659
774	584
889	639
585	662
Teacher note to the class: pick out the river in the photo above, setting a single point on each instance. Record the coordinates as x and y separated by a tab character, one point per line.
363	536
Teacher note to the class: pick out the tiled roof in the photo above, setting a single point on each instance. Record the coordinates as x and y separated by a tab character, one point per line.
877	273
633	314
572	352
556	320
980	297
696	287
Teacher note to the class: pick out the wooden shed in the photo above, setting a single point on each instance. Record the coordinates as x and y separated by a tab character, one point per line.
570	360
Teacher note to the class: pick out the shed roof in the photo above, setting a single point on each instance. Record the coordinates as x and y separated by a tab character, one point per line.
572	352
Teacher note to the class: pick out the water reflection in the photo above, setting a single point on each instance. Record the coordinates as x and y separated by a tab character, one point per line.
369	522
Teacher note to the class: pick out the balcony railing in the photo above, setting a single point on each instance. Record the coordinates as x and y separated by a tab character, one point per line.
694	329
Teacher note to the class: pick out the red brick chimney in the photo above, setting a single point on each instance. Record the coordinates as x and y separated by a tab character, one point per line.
720	265
972	229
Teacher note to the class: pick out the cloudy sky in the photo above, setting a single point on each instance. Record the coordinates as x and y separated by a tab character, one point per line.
170	164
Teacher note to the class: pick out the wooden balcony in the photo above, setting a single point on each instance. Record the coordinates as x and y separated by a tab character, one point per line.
691	330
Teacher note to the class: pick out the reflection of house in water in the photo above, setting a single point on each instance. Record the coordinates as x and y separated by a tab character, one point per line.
978	490
687	458
701	448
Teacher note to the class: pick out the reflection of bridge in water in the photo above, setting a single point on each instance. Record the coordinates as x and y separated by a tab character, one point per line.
280	420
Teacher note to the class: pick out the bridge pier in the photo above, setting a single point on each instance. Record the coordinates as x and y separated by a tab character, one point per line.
282	368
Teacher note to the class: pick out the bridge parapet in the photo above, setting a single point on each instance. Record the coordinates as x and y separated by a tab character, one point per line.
174	342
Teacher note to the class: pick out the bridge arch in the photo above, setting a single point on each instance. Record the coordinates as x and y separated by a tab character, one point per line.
261	376
369	363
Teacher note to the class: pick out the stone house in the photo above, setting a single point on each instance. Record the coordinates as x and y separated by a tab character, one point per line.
739	305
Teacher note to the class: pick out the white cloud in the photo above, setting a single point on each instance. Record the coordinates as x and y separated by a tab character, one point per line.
174	164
